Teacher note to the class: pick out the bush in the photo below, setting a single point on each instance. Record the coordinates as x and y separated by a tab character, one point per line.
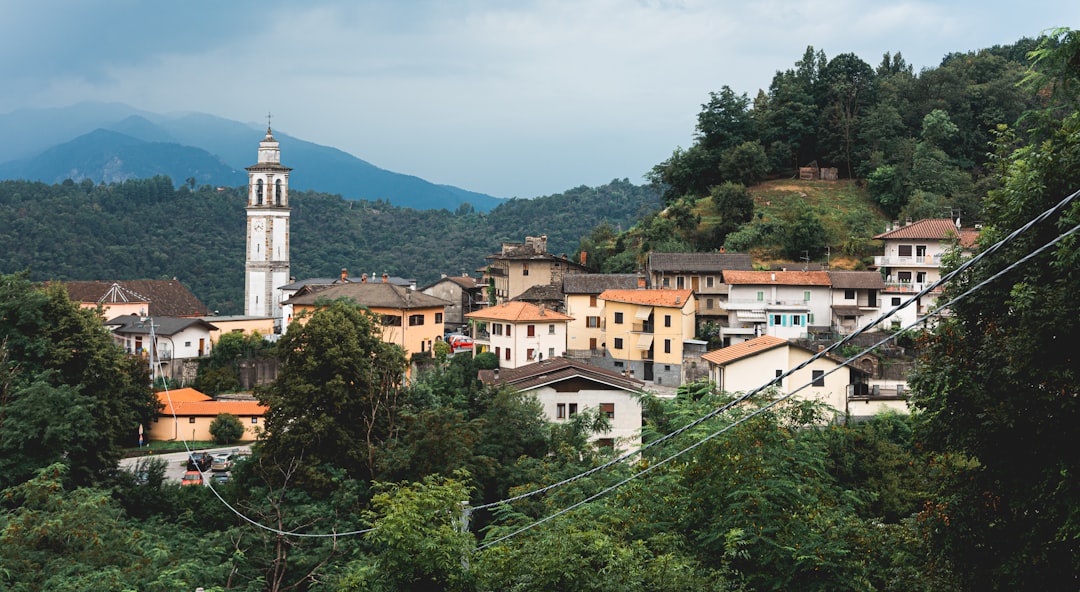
226	429
486	361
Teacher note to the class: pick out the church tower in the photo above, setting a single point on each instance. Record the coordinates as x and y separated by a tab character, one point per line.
267	267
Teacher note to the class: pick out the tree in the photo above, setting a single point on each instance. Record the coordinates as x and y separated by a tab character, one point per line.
335	400
998	381
734	205
226	428
746	164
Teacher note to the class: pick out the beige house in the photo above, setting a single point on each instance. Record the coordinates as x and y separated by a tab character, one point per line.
520	266
581	291
567	387
856	299
645	331
463	294
701	272
187	415
245	324
519	333
752	364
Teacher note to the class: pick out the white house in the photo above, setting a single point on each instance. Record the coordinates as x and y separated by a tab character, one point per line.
519	333
176	344
856	299
567	387
783	304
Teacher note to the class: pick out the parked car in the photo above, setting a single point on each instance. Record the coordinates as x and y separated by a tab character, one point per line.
459	341
221	461
191	478
199	461
219	478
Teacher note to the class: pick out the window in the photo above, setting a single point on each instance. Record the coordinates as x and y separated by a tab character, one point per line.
592	301
849	294
920	250
618	318
709	281
507	354
896	301
254	420
810	319
920	277
573	409
498	351
438	317
666	283
529	353
560	411
708	304
904	250
608	410
188	343
592	322
806	296
667	320
530	330
760	295
496	328
551	329
277	192
667	346
259	193
391	321
191	419
416	319
619	364
904	276
777	319
680	283
819	377
551	352
618	343
605	442
508	329
524	269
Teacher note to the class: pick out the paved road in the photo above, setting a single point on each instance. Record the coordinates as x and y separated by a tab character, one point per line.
177	461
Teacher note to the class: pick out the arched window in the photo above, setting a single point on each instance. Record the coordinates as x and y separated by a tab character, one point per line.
277	192
259	192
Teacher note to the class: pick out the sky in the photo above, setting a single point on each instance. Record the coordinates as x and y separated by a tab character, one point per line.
513	98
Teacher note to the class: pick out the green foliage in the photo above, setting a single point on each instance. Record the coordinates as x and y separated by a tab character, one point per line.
745	164
734	205
219	373
226	428
486	360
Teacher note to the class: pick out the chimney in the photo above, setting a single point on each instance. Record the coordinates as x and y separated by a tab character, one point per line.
641	281
344	274
721	249
385	278
774	277
541	310
583	257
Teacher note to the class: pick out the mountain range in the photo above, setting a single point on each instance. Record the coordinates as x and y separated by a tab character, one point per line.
113	142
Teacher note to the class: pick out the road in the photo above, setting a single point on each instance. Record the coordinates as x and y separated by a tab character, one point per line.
177	461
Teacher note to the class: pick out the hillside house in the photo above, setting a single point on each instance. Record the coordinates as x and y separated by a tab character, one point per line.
645	332
585	333
175	347
784	304
856	299
463	294
520	266
518	333
701	272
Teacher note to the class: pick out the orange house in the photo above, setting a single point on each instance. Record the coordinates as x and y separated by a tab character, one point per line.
188	413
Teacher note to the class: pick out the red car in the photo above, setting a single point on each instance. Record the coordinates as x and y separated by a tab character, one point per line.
459	341
191	478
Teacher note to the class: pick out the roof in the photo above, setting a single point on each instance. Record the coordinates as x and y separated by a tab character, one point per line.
777	278
182	394
841	310
371	294
518	312
136	325
541	293
726	355
862	280
464	281
213	408
554	370
668	298
930	229
706	262
167	298
320	282
595	283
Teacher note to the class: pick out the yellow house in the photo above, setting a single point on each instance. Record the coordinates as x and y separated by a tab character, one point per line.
188	413
644	332
245	324
410	319
581	291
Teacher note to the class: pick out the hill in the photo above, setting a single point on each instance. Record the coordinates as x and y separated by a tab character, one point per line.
113	142
146	228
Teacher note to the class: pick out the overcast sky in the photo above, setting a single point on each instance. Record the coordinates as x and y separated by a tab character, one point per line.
511	98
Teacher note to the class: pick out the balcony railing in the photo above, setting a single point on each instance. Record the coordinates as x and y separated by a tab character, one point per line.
911	287
641	328
912	261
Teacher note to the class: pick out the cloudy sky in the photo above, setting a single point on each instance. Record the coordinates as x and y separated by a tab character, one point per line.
510	98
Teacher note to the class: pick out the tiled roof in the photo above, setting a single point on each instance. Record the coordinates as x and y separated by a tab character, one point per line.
555	370
135	325
518	312
168	298
777	278
375	295
931	229
182	394
595	283
214	408
726	355
668	298
699	262
548	292
864	280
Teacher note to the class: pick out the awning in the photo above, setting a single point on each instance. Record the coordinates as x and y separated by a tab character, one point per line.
644	341
751	316
643	313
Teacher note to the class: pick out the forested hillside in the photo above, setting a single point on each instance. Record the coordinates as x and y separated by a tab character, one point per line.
146	229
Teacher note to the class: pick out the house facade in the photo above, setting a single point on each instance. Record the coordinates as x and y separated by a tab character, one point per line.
567	387
410	319
172	344
701	272
187	415
784	304
856	299
645	331
520	266
752	364
518	333
581	291
463	294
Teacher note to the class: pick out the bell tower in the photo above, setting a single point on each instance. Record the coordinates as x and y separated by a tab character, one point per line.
267	267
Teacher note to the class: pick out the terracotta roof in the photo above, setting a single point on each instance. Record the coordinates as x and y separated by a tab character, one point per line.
518	312
969	237
865	280
371	294
668	298
182	394
931	229
777	278
214	408
555	370
595	283
707	262
167	298
726	355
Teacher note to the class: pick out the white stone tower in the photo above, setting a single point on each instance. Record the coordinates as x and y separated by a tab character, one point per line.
267	267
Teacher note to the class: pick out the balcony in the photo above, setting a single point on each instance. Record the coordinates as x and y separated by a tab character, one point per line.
641	328
908	287
913	261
